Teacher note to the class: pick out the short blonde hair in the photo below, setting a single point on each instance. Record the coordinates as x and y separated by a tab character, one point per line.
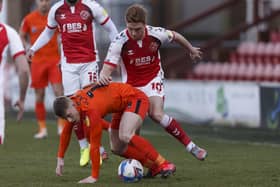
136	13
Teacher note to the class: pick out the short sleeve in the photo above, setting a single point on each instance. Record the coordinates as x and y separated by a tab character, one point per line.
99	13
52	24
114	52
15	43
164	35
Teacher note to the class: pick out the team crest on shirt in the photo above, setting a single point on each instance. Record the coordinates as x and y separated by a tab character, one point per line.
153	46
62	16
130	52
84	14
33	29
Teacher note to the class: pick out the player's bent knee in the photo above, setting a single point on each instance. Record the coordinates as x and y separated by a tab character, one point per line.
125	137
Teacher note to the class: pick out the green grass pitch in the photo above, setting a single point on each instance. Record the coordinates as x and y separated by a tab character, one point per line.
237	158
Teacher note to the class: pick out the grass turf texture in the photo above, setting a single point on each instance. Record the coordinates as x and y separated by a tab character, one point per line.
237	158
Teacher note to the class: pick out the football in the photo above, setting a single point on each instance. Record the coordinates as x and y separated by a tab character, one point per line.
130	170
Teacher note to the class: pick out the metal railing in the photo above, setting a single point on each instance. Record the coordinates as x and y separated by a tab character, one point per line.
204	14
216	42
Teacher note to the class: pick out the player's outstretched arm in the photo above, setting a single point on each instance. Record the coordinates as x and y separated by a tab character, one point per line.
43	39
23	74
63	145
110	27
105	74
195	52
64	139
59	166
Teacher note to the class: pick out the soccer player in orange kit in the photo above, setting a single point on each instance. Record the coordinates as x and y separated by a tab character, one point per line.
44	66
129	106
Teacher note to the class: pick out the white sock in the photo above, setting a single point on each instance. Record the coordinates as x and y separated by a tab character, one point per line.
83	143
190	146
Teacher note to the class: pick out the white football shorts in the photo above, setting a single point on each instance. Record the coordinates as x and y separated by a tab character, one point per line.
78	75
154	87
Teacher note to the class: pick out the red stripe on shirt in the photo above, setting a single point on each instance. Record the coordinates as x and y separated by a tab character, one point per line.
105	21
51	27
19	53
110	64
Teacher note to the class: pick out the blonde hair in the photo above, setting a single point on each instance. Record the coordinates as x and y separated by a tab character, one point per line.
136	13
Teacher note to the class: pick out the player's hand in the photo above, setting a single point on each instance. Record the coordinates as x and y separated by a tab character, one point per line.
20	105
59	166
29	54
195	53
104	80
87	180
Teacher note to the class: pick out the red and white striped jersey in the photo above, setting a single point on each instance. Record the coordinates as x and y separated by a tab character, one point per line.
9	39
139	60
76	25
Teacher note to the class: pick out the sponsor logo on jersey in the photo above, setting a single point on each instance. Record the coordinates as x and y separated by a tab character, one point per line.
74	27
142	60
84	14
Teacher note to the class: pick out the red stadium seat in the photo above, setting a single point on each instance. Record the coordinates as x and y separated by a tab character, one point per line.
259	53
241	71
268	72
268	52
276	54
198	71
274	36
250	72
276	73
225	69
207	70
259	72
216	69
232	72
246	52
233	57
